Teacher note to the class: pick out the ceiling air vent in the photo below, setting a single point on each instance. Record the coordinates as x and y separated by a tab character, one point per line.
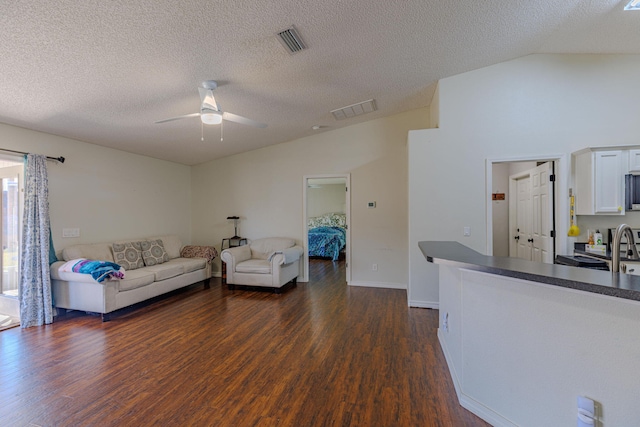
358	109
291	40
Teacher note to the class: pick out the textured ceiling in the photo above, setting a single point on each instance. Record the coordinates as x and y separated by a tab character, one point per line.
104	71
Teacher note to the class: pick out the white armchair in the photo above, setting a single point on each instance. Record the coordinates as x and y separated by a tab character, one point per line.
270	262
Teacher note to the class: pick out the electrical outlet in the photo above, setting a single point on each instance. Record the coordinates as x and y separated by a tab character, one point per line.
586	412
374	267
445	322
466	231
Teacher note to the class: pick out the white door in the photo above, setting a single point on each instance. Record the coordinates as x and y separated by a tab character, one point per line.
542	214
523	218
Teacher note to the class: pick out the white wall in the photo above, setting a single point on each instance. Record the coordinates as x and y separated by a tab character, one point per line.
108	194
326	198
520	352
264	188
531	106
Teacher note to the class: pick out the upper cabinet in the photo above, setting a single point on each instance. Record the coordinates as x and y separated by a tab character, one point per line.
599	181
634	161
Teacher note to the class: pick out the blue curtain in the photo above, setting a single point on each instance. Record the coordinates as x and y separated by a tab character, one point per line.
35	283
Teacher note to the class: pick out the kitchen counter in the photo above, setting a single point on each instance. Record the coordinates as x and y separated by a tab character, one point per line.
515	332
455	254
579	249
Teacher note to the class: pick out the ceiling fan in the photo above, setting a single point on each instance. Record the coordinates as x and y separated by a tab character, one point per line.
210	113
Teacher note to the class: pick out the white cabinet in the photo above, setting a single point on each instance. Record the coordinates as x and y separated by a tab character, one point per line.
634	161
599	182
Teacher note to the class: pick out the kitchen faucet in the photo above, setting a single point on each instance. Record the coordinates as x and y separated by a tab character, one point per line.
615	247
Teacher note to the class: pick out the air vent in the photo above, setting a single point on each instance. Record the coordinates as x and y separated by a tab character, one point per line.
358	109
291	40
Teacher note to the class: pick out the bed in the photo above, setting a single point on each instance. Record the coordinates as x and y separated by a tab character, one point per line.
327	235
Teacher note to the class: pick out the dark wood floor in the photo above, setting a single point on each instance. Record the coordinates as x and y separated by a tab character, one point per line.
321	354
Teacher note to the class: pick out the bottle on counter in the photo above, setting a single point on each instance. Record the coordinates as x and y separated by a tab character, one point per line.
590	240
597	238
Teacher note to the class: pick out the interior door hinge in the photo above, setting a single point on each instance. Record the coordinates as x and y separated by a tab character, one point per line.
552	178
552	233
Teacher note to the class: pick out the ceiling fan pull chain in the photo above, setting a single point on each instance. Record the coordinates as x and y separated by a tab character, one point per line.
221	131
201	131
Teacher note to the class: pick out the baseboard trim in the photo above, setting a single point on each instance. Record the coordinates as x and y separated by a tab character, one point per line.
378	285
467	402
424	304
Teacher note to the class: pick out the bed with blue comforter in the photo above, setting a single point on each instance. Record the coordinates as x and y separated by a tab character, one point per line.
327	235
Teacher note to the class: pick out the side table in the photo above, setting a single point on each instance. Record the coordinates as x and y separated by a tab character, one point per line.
232	242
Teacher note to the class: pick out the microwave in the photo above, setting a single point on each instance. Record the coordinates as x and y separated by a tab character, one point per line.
632	192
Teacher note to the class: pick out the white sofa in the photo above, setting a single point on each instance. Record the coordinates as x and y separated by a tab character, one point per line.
270	262
76	291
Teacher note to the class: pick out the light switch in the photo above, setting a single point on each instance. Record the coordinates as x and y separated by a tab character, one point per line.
466	231
70	232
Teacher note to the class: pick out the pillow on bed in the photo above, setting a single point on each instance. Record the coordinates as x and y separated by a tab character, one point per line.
128	255
329	220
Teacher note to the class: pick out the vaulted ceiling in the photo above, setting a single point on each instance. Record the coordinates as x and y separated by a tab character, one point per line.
104	71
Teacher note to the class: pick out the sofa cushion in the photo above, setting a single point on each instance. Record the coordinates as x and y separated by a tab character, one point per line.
128	255
172	244
264	248
153	252
136	279
259	266
165	271
189	264
98	251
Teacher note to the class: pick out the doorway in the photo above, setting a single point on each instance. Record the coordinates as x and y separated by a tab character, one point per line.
11	203
525	210
326	209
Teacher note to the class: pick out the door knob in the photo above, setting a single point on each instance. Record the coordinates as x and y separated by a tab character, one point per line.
517	237
530	240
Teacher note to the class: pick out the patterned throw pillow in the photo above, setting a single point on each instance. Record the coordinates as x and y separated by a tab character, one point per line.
153	252
128	255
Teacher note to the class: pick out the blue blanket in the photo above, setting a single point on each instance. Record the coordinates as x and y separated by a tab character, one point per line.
327	242
99	270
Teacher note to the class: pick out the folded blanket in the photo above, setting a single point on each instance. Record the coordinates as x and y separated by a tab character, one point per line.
192	251
99	270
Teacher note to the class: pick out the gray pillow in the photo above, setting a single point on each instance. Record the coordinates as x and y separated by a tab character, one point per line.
128	255
153	252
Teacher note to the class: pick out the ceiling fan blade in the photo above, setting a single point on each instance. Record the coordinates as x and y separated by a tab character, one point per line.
242	120
186	116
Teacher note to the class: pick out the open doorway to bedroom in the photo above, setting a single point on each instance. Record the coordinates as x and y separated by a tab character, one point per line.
326	214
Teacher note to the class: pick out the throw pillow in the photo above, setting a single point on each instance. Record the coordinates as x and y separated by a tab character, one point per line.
153	252
128	255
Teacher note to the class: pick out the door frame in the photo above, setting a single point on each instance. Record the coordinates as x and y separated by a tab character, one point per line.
305	234
561	195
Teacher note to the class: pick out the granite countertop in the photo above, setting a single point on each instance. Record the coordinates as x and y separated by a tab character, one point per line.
455	254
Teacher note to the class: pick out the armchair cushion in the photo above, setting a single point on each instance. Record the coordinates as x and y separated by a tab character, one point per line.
259	266
265	248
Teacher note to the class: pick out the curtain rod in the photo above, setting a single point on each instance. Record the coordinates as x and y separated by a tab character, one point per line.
57	159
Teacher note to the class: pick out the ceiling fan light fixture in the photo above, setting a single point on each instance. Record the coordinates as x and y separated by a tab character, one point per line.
633	5
211	118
